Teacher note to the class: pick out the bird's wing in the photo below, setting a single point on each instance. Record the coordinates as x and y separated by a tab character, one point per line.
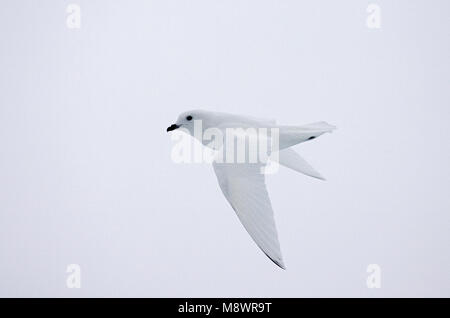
289	158
244	187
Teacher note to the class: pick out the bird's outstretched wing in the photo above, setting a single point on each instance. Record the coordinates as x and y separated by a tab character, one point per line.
244	187
289	158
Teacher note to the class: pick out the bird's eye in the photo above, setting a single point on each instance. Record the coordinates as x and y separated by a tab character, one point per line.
189	117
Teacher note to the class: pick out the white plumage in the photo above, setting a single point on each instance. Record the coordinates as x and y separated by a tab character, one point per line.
243	184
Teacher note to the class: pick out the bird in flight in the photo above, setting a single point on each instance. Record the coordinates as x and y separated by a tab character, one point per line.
243	181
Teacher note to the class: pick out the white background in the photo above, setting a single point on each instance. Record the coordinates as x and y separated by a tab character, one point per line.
86	175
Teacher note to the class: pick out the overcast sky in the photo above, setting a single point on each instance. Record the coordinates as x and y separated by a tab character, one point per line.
86	175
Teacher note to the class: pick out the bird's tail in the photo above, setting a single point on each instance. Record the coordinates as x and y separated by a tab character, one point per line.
292	135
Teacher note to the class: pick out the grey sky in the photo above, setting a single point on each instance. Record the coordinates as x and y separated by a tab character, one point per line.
85	169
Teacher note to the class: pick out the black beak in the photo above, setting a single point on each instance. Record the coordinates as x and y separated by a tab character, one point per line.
172	127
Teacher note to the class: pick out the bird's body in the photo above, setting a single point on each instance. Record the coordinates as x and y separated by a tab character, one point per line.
243	183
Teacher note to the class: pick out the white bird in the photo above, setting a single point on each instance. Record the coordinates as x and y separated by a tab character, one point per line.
243	184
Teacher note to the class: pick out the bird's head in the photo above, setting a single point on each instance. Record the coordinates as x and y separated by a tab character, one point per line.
187	120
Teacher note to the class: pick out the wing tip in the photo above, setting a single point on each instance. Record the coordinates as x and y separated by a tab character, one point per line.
316	175
320	177
279	262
